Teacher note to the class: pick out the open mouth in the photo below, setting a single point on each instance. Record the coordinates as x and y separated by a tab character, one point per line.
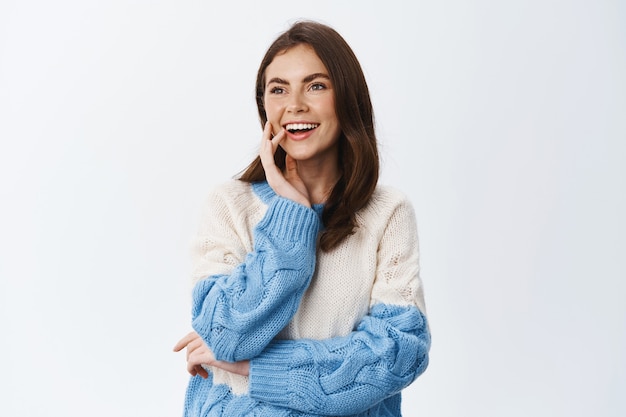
300	127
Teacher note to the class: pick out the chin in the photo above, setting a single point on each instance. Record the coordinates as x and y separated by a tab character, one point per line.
300	156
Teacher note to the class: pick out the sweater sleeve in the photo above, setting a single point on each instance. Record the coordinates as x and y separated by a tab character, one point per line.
238	311
386	352
345	375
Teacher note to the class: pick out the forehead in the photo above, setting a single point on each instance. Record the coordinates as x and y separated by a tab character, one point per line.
295	63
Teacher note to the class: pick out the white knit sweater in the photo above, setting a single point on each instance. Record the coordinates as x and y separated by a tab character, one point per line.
377	265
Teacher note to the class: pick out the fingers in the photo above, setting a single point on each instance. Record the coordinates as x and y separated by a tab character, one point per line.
196	369
196	346
185	341
269	135
267	131
269	145
278	138
202	372
198	354
289	183
266	141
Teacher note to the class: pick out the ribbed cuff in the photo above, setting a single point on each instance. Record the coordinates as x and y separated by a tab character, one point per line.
269	374
287	220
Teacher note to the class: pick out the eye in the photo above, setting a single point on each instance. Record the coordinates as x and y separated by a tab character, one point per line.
277	90
317	87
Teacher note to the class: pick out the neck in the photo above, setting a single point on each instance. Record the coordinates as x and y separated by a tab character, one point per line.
319	181
318	192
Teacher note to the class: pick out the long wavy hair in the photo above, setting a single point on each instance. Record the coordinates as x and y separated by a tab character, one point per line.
358	152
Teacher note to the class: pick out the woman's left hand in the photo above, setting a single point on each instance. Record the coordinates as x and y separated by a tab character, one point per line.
198	354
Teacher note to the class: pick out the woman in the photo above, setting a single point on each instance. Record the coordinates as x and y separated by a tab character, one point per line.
308	299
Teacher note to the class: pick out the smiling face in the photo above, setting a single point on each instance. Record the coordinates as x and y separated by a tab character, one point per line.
299	97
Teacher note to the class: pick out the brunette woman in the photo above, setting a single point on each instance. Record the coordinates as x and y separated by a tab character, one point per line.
308	300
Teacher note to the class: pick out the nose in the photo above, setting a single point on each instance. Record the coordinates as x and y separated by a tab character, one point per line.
297	103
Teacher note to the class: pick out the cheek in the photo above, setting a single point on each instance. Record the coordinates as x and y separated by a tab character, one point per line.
273	116
329	107
272	109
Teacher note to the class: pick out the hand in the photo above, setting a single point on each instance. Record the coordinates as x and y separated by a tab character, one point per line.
289	184
198	354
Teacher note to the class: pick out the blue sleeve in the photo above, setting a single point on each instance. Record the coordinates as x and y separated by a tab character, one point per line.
239	313
345	375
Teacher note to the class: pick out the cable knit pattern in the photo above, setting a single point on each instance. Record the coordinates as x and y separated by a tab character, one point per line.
337	333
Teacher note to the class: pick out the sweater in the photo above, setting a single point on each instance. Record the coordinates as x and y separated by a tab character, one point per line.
336	333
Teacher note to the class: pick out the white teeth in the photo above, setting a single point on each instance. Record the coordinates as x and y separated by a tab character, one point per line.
301	126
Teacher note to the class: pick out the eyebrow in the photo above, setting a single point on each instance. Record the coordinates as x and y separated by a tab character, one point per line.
306	79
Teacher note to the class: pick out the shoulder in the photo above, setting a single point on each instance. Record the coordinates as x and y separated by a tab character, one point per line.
232	188
233	198
389	210
385	201
389	194
231	193
231	209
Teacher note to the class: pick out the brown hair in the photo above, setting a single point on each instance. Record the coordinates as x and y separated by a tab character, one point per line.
358	153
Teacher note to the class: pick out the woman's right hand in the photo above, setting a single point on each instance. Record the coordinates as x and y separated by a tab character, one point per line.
288	184
198	354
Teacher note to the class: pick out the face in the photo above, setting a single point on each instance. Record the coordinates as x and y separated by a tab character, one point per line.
299	97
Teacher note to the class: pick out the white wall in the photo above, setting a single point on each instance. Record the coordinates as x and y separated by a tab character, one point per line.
504	121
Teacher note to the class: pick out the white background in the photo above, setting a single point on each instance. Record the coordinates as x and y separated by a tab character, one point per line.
505	122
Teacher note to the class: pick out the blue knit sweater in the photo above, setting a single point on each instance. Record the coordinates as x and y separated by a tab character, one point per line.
312	352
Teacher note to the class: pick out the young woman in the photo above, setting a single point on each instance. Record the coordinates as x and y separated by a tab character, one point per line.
307	299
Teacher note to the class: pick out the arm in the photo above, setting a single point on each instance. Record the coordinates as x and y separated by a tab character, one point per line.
237	313
385	353
345	375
